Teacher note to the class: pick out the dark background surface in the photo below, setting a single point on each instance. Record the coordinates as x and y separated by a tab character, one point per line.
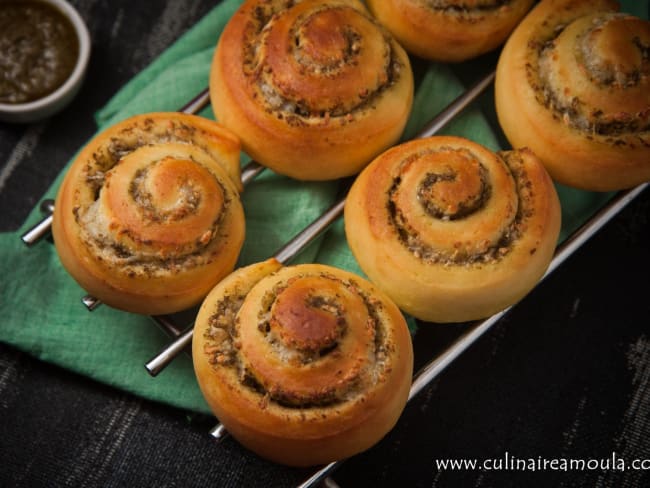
565	375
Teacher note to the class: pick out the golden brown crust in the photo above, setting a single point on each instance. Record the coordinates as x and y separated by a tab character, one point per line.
303	365
450	230
450	30
314	90
148	216
573	84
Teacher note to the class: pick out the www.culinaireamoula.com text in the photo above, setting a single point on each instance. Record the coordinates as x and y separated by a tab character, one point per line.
509	462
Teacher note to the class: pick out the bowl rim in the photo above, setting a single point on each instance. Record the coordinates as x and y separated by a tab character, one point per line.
77	74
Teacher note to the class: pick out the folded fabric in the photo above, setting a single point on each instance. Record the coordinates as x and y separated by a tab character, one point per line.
44	317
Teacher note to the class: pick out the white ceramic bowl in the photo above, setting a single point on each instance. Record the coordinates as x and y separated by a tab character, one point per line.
59	98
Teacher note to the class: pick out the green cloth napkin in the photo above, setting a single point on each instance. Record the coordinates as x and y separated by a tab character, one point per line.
40	305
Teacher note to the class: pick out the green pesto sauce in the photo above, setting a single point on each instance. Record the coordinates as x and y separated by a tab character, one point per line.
38	50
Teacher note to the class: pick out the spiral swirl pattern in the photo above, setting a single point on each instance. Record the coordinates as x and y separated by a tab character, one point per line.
314	89
464	218
304	364
148	216
450	30
450	230
573	83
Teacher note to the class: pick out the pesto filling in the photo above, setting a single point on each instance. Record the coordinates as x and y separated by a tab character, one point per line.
223	349
96	231
460	8
575	112
429	254
294	110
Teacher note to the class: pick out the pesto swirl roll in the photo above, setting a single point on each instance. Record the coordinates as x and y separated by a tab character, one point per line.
304	364
148	217
314	89
573	84
450	30
450	230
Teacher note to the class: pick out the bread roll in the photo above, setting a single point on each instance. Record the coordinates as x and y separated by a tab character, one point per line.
449	30
314	89
573	84
450	230
303	365
148	216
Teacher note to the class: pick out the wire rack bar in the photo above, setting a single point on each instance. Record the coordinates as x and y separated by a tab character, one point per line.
42	228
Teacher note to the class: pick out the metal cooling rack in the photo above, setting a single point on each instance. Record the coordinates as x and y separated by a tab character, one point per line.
182	336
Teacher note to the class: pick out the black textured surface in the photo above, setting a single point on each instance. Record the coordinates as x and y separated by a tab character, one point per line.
565	375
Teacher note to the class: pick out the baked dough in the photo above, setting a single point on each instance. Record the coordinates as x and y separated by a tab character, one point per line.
450	30
148	217
450	230
303	365
573	84
314	89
